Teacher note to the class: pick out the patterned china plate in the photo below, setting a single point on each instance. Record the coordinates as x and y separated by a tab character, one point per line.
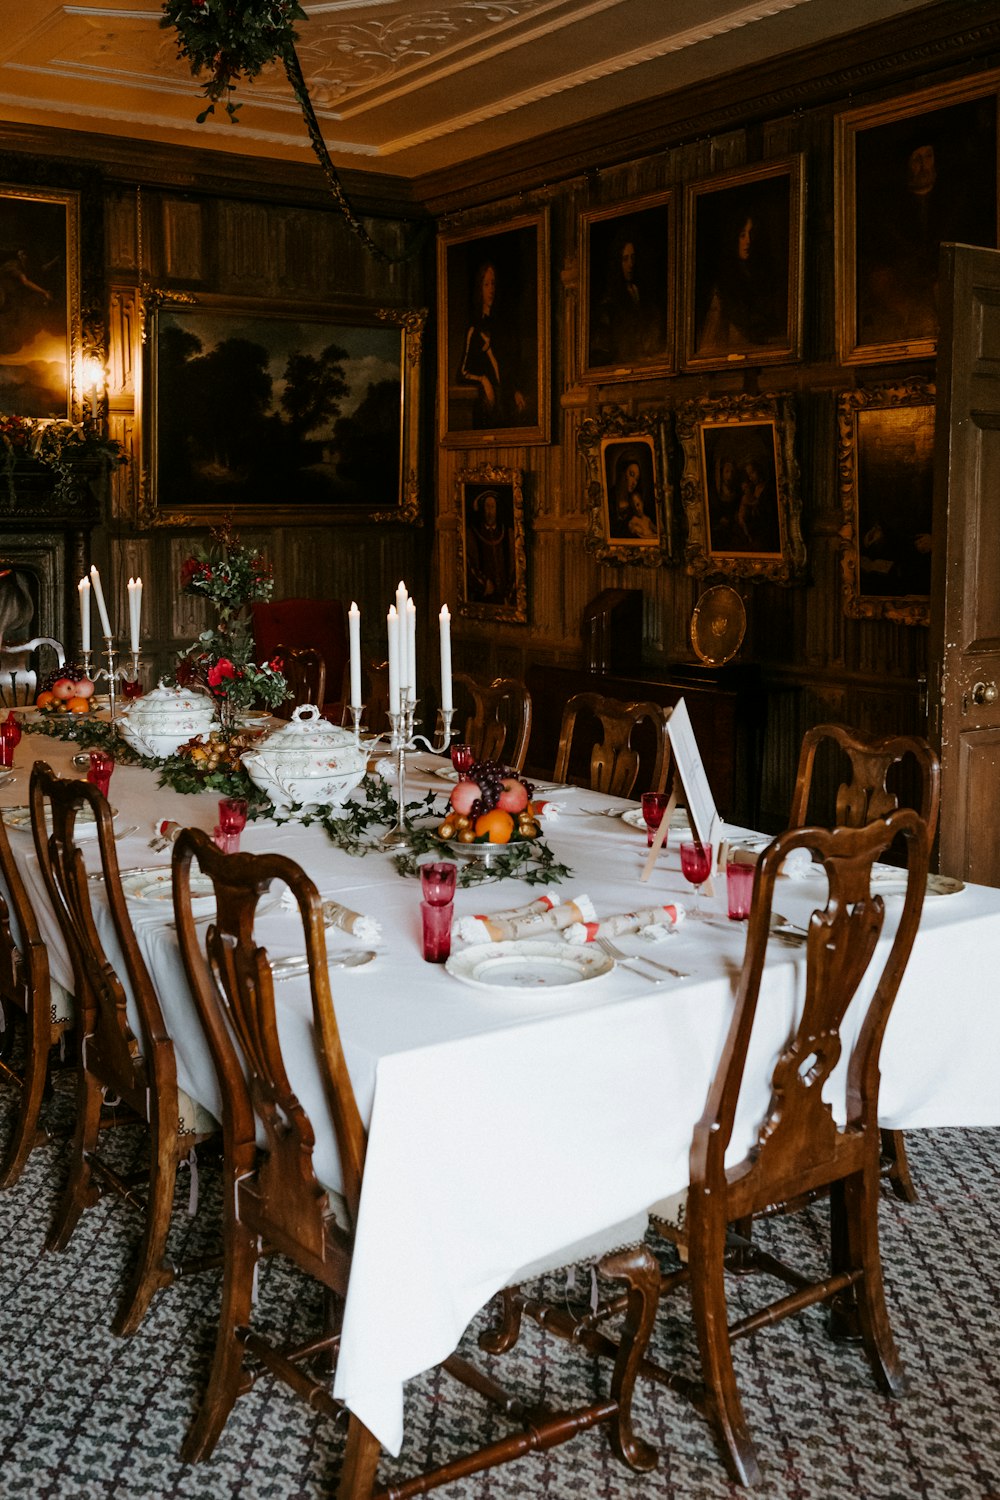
634	818
528	965
20	817
894	883
154	884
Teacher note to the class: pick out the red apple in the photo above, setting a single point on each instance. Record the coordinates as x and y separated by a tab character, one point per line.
513	796
64	688
84	688
463	796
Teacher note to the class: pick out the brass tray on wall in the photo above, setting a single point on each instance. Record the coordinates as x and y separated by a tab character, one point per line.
718	625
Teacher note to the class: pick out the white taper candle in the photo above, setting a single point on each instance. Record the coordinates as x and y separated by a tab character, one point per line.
411	647
102	608
84	587
392	626
444	621
354	628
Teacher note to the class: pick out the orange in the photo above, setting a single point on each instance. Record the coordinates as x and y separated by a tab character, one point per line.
79	705
496	825
44	699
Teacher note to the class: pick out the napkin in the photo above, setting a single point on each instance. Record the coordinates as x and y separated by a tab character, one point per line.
543	915
664	918
797	866
334	915
549	810
164	834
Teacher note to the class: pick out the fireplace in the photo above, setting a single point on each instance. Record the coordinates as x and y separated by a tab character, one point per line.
44	550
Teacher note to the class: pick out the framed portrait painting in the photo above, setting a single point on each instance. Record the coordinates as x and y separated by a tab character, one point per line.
886	466
262	411
492	565
743	264
627	487
40	337
627	258
910	173
493	334
740	488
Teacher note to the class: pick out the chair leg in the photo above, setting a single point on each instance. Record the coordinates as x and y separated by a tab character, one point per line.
894	1153
80	1191
27	1134
861	1212
641	1272
357	1477
502	1335
708	1305
240	1257
150	1271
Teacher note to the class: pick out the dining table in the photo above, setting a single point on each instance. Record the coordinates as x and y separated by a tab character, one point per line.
507	1121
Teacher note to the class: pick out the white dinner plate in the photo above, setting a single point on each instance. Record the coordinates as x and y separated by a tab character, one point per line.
634	818
86	823
893	883
528	964
154	884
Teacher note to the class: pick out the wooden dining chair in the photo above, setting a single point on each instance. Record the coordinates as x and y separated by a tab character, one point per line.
18	678
800	1150
276	1198
615	755
30	995
305	673
499	725
864	796
129	1062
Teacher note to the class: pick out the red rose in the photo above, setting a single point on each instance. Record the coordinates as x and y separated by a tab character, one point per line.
190	568
218	673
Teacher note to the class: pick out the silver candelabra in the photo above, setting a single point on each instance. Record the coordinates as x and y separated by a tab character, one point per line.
112	673
401	740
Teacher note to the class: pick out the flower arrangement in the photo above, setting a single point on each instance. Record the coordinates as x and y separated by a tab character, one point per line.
55	444
232	577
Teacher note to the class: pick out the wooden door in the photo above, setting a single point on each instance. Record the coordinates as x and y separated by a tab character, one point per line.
965	588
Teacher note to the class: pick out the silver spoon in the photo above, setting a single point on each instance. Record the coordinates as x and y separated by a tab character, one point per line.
287	968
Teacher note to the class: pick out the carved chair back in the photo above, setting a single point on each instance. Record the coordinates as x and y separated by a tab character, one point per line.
499	725
305	671
233	988
124	1062
18	679
615	757
866	795
25	986
799	1146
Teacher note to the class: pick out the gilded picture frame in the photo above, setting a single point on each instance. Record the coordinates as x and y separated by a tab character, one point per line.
628	487
740	488
628	258
493	579
279	411
885	455
909	173
493	377
41	346
743	248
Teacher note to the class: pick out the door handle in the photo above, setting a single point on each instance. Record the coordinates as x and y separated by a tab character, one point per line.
984	692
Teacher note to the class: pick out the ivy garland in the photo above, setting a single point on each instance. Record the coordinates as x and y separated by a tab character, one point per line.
350	828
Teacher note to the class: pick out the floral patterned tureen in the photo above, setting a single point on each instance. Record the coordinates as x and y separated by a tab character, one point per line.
308	763
165	719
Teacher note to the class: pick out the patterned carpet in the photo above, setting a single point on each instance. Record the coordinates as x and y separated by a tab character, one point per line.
83	1414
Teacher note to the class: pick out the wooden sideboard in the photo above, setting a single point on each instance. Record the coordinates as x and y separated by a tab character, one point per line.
727	709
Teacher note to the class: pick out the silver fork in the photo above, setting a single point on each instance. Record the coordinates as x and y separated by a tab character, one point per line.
629	959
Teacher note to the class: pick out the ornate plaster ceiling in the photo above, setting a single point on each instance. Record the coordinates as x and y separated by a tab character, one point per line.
400	86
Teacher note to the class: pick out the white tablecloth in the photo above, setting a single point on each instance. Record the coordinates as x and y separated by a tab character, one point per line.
506	1124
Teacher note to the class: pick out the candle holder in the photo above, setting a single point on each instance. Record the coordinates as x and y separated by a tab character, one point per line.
402	739
112	673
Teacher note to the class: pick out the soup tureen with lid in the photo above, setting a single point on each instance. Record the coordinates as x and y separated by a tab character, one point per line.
165	719
308	763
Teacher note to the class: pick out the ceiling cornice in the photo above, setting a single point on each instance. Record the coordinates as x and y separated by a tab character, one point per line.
879	57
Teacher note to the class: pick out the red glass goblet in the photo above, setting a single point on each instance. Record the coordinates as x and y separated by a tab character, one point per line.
232	821
654	805
462	758
131	687
101	766
696	866
437	881
10	733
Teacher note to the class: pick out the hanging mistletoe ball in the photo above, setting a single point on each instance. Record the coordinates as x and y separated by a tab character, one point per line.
230	40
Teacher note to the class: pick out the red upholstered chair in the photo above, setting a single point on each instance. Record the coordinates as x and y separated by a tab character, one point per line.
317	623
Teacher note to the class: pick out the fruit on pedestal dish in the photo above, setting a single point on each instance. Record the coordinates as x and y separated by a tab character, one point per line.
66	690
492	805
